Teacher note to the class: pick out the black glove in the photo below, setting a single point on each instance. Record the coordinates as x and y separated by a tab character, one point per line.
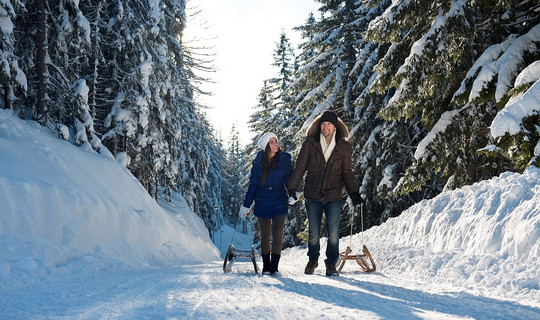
356	198
292	193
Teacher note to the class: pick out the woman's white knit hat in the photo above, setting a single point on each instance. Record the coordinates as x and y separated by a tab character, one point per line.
263	141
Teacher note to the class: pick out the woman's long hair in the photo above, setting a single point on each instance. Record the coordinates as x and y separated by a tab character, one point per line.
269	164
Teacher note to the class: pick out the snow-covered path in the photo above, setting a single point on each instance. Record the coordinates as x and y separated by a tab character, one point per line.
205	292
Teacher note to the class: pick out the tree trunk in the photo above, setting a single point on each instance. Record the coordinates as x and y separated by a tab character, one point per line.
8	97
42	72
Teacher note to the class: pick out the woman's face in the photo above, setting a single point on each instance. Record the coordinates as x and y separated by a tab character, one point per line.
274	145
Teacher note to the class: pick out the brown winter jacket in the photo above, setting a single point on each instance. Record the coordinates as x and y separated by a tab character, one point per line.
324	182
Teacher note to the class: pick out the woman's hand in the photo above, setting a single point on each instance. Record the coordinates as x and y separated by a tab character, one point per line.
243	212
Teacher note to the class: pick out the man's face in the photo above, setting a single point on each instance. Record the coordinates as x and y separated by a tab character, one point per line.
328	129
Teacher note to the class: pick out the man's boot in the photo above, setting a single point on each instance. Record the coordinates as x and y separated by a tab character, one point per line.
331	270
274	265
266	264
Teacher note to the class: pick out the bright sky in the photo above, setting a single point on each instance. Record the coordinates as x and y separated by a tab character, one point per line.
245	34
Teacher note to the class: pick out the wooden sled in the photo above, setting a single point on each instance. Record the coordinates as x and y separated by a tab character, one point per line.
233	254
364	260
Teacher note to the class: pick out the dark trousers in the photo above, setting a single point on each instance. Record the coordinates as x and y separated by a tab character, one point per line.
272	228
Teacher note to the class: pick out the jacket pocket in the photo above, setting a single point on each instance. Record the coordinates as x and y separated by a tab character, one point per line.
336	165
333	176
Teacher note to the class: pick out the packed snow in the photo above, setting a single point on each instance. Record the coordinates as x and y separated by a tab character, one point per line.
81	239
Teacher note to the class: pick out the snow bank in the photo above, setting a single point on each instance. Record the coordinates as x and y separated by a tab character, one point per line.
483	237
59	203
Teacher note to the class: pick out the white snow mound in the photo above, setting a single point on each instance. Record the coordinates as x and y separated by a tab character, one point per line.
59	202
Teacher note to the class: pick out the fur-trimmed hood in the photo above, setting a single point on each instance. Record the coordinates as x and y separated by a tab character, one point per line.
315	128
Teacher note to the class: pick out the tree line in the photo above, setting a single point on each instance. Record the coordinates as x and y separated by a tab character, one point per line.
421	85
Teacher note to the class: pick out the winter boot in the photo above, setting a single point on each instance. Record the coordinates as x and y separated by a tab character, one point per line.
266	264
310	268
274	265
331	270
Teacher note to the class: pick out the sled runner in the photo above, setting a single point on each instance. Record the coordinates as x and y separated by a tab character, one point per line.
364	259
233	254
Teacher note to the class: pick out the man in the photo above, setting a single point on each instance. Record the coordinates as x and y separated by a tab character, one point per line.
327	157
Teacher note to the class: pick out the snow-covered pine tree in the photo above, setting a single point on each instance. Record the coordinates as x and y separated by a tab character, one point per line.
282	109
12	78
233	197
121	66
152	100
114	77
507	75
434	44
283	61
262	113
380	148
185	132
69	65
305	79
55	39
322	81
193	162
112	68
273	109
179	124
130	127
418	67
212	210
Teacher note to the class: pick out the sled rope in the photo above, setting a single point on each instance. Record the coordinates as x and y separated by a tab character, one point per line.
234	233
350	236
361	222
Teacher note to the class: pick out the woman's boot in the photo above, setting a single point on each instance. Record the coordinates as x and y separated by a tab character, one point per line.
266	264
274	265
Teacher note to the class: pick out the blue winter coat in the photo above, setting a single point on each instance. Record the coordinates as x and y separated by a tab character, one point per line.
271	199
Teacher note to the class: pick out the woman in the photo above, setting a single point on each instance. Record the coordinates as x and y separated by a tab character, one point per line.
270	172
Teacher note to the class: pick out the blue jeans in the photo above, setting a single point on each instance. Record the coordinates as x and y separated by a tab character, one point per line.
332	211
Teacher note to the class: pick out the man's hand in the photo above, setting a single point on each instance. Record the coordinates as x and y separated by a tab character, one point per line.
293	193
356	198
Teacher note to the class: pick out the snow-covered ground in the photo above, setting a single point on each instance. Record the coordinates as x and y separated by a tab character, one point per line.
81	239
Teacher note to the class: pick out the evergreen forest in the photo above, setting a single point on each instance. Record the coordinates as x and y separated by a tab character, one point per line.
437	95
